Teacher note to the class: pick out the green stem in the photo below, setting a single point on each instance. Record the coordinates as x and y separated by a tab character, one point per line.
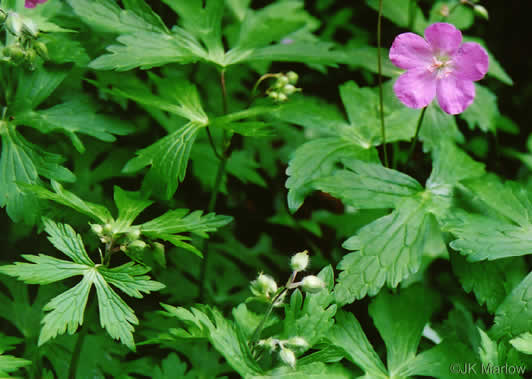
418	128
381	94
213	146
222	165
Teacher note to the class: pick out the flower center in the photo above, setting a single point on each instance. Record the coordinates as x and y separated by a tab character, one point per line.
441	65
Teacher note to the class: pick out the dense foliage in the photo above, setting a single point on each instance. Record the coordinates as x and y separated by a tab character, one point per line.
250	193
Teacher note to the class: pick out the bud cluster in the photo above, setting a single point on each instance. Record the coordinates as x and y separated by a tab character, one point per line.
25	49
285	347
284	86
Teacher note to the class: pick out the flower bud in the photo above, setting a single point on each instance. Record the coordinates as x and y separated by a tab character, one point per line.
107	228
14	52
299	262
97	229
292	77
274	95
481	11
14	23
133	235
281	81
297	342
137	245
282	97
444	10
41	49
270	344
30	28
289	89
264	285
288	357
312	284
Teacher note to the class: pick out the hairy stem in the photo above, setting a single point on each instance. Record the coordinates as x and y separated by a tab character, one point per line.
418	128
381	94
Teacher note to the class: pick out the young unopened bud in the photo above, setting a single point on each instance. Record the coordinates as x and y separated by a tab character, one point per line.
30	28
292	77
297	342
289	89
97	229
444	10
41	49
14	52
270	344
281	81
133	235
282	97
312	284
274	95
481	11
299	262
30	56
288	357
264	285
107	228
14	23
137	245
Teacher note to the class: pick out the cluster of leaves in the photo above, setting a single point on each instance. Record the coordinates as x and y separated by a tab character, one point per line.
171	101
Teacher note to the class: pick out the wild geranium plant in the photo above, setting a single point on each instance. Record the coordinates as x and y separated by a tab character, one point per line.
163	162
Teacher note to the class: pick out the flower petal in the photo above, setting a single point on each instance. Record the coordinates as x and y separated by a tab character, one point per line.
470	62
410	50
454	94
444	38
416	88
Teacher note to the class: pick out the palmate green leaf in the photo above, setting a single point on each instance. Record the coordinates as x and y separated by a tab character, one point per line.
129	205
23	162
107	16
318	158
302	371
397	11
478	277
78	115
514	316
33	87
438	125
180	220
203	19
223	334
369	185
390	250
167	158
481	237
400	320
523	343
67	198
483	112
65	311
366	57
9	364
347	334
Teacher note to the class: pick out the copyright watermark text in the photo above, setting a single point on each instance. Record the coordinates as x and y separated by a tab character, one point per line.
475	368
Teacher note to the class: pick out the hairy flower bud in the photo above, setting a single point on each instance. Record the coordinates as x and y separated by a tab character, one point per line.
14	23
292	77
297	342
274	95
107	228
299	261
30	28
137	245
97	229
14	52
270	344
281	81
264	285
41	49
289	89
312	284
288	357
282	97
133	235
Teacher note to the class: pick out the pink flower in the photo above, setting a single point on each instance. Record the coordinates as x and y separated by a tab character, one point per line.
438	66
33	3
